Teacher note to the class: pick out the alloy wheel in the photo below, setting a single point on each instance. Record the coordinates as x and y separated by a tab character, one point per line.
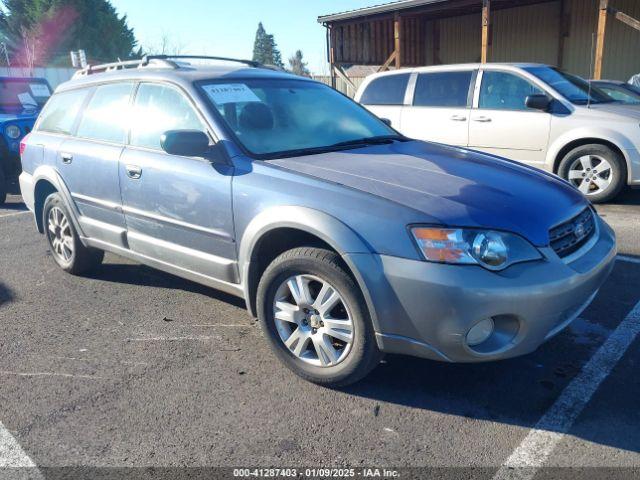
591	174
313	320
60	234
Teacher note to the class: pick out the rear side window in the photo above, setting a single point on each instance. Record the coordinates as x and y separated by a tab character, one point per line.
106	115
159	108
443	89
386	90
60	112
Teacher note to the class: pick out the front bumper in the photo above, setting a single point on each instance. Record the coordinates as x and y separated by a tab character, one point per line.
426	309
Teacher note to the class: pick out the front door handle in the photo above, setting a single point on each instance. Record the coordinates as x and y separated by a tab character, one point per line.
458	118
133	171
67	158
482	119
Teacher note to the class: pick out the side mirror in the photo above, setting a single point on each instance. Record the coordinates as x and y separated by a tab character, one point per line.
185	143
538	102
386	121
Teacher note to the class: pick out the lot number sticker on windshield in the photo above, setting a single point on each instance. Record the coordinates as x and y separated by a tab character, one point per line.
230	93
39	89
27	100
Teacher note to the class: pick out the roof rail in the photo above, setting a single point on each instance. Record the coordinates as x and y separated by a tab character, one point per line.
165	61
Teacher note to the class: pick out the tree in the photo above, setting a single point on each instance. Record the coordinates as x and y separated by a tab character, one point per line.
298	66
41	32
165	46
265	49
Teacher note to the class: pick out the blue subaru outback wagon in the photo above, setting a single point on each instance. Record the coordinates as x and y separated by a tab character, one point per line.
345	239
20	102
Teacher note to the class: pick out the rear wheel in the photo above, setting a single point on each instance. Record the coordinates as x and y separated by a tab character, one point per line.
596	170
65	245
316	319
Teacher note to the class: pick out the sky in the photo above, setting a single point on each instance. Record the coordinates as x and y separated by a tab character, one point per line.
228	28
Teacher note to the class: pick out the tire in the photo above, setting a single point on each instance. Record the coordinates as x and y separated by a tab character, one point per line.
3	187
66	248
578	165
344	363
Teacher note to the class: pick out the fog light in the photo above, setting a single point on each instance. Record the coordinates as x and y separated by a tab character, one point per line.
480	332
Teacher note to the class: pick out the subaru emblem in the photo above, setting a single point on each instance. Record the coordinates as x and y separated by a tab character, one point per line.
579	230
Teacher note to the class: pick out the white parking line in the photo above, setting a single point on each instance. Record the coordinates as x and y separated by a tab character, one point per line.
538	445
626	258
11	453
13	214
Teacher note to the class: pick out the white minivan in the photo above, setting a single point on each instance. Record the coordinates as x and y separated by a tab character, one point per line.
531	113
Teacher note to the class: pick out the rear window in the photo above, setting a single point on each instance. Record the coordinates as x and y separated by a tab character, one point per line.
443	89
386	90
105	118
61	111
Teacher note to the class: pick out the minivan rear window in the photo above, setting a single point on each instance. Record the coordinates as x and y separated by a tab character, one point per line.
60	112
443	89
386	90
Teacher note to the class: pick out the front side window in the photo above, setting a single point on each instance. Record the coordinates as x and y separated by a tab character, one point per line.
386	90
157	109
272	117
442	89
106	116
60	113
505	91
575	89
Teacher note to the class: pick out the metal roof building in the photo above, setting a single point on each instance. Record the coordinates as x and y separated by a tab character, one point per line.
599	38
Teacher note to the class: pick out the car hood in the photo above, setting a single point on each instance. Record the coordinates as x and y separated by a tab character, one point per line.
453	186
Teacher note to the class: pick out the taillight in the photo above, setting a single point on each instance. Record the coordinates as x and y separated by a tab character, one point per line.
23	144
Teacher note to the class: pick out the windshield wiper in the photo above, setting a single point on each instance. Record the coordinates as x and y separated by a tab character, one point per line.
377	140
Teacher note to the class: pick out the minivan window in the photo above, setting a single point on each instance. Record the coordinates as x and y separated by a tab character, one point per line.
278	117
106	116
159	108
386	90
60	112
505	91
443	89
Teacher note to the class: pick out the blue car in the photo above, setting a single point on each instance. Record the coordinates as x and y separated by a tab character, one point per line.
21	100
346	239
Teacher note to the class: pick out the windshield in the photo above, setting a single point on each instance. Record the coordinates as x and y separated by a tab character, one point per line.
27	93
279	117
573	88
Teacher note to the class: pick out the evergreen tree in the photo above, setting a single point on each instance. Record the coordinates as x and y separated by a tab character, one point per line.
298	66
265	49
40	32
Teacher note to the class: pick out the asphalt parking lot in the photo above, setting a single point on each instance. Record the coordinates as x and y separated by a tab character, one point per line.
133	367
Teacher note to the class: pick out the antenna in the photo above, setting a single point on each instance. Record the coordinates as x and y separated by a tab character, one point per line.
593	38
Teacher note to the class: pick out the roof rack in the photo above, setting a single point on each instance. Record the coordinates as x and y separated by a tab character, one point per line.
163	61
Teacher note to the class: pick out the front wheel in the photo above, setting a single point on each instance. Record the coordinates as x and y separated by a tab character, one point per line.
596	170
315	318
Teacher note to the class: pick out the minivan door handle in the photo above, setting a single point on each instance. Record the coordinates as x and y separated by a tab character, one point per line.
67	158
458	118
482	119
133	171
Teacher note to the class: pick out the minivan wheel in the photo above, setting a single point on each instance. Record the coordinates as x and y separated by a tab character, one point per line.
596	170
65	245
315	318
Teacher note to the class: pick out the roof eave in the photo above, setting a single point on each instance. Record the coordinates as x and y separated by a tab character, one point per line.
375	10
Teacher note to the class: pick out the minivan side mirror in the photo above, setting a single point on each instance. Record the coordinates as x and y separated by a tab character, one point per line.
185	143
538	102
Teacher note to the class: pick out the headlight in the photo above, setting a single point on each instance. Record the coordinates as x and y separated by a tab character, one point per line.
13	131
491	249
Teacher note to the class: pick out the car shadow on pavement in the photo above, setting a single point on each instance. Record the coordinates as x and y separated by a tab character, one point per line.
6	295
135	274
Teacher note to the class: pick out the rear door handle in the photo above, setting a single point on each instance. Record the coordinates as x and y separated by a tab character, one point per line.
458	118
482	119
67	158
133	171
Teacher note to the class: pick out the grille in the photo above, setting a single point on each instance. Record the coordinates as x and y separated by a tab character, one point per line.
570	236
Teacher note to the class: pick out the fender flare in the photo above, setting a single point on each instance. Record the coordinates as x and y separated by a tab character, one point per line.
51	175
324	226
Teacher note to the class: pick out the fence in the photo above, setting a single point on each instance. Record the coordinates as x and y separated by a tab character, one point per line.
55	76
341	85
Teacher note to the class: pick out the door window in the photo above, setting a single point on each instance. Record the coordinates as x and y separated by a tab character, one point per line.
105	118
60	112
505	91
386	90
159	108
443	89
